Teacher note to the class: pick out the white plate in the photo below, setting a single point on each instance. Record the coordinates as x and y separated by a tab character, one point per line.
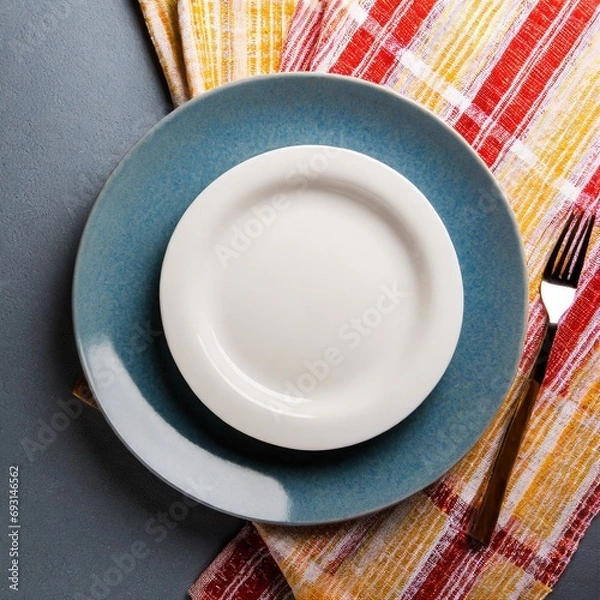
311	297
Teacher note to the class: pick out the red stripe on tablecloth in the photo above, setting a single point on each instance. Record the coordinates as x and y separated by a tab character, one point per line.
351	543
361	42
453	553
411	21
461	558
446	500
536	328
451	558
574	324
519	553
512	60
590	195
547	64
404	32
383	10
245	570
354	52
515	116
380	66
579	521
518	51
302	39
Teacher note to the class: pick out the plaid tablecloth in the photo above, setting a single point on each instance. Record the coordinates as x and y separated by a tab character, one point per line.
520	80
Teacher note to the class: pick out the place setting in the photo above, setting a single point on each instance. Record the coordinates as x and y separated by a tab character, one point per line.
339	283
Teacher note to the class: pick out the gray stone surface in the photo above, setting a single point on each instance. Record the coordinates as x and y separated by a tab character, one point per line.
79	84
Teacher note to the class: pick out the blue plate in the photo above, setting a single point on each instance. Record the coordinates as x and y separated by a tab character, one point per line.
117	320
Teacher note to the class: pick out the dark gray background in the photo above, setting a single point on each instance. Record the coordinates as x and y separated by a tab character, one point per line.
79	84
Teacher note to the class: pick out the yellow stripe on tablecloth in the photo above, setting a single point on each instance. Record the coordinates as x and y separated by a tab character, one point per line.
284	12
557	138
462	45
501	574
162	22
562	129
563	471
253	47
231	40
442	67
312	546
381	559
381	551
445	56
240	42
193	42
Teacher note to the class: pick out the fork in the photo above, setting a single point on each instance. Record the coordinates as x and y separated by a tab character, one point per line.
557	289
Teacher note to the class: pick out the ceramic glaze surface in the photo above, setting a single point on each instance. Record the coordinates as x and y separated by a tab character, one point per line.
116	286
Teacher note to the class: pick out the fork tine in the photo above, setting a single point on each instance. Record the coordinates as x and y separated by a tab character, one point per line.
566	260
565	253
581	250
549	270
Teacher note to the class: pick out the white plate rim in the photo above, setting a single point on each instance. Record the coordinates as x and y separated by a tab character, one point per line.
258	413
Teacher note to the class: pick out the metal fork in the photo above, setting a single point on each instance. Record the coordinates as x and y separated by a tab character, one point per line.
557	289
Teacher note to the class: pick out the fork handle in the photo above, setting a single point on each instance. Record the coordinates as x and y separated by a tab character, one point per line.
486	517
